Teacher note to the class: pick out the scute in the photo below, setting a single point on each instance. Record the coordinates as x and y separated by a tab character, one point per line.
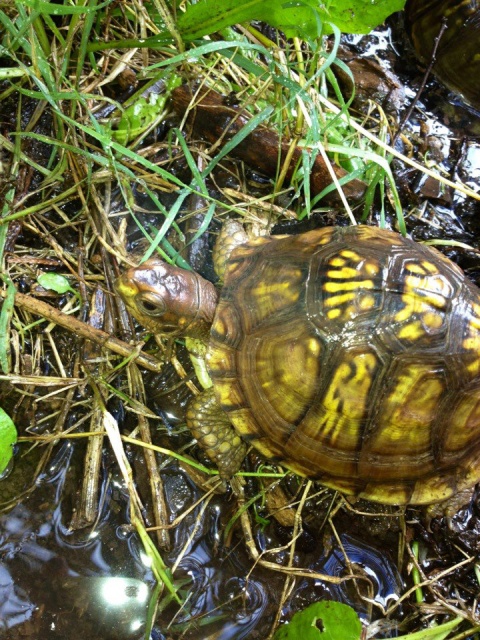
351	355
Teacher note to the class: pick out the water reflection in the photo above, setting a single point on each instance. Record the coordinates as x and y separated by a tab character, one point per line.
376	565
59	584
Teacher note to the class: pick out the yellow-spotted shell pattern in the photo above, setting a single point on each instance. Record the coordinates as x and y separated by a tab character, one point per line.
352	355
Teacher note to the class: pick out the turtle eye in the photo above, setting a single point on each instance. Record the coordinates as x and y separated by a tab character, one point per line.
151	304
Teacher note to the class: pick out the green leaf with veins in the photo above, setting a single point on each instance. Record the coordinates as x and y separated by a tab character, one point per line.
302	18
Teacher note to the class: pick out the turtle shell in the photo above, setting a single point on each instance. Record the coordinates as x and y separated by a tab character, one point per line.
351	355
457	52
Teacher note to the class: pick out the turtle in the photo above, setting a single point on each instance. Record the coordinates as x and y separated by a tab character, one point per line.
350	355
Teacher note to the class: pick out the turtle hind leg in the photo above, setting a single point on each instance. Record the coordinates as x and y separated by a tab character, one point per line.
215	433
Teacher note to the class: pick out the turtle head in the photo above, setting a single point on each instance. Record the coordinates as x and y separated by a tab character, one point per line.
168	300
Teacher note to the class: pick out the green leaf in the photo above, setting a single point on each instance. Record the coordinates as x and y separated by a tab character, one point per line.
8	437
54	282
322	621
361	16
302	18
293	18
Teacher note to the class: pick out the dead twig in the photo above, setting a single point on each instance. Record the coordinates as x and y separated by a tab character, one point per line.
84	330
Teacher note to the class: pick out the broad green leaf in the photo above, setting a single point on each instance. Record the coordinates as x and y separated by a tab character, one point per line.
8	437
293	18
303	18
54	282
361	16
322	621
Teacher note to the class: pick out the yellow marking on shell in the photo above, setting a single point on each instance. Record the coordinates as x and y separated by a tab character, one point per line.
413	305
433	489
423	294
343	273
471	342
346	397
314	347
386	493
332	397
411	331
288	376
337	262
429	266
422	268
265	448
432	320
474	367
332	314
371	268
276	289
350	255
474	319
225	394
407	310
220	328
413	285
335	287
464	422
415	396
335	301
286	368
437	300
283	289
346	291
428	398
366	302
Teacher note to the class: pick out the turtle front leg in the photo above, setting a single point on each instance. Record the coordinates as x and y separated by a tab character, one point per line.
215	433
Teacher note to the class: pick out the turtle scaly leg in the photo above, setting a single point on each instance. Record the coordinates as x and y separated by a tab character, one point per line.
215	433
232	235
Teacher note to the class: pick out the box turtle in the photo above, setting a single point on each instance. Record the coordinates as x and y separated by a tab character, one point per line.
350	355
